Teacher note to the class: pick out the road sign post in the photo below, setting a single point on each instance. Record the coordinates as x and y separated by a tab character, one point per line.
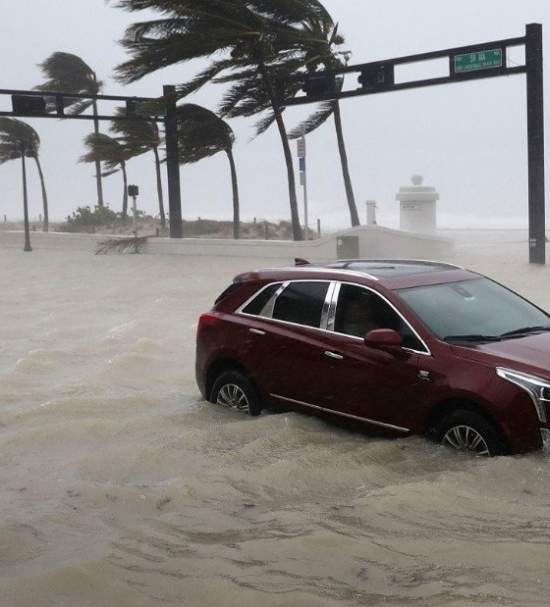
302	154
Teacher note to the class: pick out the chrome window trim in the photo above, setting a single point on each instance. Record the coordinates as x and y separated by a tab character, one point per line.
427	352
325	314
333	304
342	414
270	306
240	309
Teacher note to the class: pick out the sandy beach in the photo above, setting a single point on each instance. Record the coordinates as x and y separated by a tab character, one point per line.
120	487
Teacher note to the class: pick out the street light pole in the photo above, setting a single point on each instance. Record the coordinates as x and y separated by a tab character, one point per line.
27	246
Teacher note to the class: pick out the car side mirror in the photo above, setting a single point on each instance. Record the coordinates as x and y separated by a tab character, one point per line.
383	338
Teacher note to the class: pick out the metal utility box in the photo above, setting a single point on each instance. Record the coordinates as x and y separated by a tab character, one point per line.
347	247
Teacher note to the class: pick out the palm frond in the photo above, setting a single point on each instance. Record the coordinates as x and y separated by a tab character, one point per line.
325	111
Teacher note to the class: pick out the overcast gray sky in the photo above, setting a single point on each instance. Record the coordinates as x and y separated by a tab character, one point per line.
468	140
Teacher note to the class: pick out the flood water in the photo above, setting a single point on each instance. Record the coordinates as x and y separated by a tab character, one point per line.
119	487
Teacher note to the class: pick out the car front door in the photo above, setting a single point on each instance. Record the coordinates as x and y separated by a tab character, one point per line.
370	383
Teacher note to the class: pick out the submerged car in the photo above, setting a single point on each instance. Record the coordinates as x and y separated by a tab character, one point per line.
410	347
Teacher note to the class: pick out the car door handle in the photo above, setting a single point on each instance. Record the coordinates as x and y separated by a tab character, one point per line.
257	332
334	355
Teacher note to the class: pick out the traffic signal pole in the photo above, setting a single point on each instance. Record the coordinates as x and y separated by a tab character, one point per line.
535	134
51	104
172	162
466	63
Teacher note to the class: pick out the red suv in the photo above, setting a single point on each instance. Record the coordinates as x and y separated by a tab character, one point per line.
406	346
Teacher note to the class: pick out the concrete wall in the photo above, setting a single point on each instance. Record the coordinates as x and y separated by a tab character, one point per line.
374	242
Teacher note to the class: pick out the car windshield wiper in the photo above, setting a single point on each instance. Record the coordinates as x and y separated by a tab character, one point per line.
526	331
472	338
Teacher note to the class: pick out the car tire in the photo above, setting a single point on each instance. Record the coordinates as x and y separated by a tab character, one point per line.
233	389
469	431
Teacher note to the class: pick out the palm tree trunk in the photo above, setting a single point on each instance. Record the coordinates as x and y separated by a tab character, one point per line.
98	178
236	205
345	166
296	227
46	223
159	188
125	194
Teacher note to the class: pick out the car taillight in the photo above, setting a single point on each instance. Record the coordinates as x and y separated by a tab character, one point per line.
207	320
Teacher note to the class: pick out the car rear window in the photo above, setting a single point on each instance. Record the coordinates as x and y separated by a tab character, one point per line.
230	289
302	303
257	306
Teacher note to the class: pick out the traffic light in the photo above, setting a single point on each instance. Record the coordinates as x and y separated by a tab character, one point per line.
28	105
321	85
376	77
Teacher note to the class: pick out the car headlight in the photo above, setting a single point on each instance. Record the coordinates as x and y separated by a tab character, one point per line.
537	388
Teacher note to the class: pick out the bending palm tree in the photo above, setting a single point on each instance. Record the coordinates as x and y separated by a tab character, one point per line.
256	36
324	37
140	137
15	136
203	134
113	155
68	73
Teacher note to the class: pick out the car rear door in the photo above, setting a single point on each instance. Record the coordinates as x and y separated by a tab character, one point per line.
293	340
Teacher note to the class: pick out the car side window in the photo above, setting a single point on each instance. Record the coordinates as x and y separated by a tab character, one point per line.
302	303
360	311
260	305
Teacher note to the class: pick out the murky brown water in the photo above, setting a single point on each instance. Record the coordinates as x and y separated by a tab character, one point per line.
120	488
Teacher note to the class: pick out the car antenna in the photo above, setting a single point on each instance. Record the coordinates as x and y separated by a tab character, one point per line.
298	262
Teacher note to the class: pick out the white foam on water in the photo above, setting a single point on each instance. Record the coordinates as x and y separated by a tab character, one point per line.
119	486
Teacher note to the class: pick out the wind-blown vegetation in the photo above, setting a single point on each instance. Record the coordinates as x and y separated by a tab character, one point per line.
141	137
113	156
68	73
203	134
17	137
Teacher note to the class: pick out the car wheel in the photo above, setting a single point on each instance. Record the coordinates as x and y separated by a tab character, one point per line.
234	390
468	431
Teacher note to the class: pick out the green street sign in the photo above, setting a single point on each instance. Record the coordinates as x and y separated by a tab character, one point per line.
475	62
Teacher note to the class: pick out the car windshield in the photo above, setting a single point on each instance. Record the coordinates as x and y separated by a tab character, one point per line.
474	310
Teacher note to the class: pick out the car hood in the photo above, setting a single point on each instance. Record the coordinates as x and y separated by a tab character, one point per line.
530	354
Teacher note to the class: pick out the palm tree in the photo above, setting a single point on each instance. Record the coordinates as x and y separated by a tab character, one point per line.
202	134
140	137
113	155
15	136
255	36
68	73
324	37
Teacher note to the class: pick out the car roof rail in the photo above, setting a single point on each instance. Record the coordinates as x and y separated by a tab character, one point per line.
423	262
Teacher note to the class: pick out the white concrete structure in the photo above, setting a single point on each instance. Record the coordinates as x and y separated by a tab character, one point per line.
371	213
418	207
372	242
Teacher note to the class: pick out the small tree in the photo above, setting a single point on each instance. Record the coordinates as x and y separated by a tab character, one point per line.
16	136
113	155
